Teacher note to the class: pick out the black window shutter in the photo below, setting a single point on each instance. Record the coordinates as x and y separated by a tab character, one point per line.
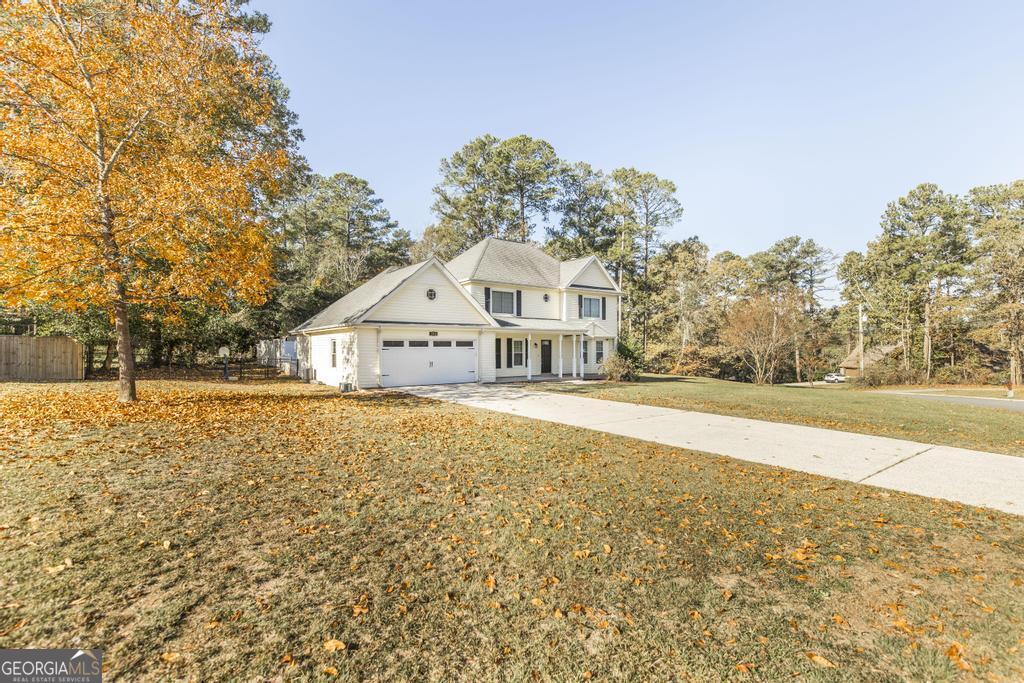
487	299
604	308
581	305
508	352
497	352
519	303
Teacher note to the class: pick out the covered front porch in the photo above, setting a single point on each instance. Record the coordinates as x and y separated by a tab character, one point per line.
566	349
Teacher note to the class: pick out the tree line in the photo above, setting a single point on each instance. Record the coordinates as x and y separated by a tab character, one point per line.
155	205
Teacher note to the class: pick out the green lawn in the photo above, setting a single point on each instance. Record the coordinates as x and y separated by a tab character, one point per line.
843	408
282	531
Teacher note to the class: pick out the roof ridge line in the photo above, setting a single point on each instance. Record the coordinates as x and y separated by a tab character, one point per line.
480	258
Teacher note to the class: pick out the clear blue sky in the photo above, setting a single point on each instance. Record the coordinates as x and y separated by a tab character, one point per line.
773	118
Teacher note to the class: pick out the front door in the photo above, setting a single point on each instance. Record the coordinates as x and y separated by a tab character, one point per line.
545	355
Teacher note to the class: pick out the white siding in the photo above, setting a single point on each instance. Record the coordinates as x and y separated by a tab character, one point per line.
592	366
593	276
534	305
486	369
369	358
573	306
504	370
410	302
346	357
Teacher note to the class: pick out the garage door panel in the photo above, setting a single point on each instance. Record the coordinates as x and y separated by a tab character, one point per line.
441	361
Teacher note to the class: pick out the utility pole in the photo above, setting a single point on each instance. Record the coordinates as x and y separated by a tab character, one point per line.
860	335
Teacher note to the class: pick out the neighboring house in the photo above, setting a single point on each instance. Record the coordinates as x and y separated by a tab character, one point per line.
500	309
850	367
283	353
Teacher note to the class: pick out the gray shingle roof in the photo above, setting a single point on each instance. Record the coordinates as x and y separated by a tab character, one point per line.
570	269
545	324
494	260
349	308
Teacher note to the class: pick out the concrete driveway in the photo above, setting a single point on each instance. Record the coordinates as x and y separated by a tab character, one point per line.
970	477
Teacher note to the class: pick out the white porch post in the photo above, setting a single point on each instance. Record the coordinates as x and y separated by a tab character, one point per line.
559	356
574	355
529	357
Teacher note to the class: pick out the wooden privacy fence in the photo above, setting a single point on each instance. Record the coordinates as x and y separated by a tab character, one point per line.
40	358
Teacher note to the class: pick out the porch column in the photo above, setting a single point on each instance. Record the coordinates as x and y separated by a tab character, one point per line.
529	357
574	355
583	369
559	356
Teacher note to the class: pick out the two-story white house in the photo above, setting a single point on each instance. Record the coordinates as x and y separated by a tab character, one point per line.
499	310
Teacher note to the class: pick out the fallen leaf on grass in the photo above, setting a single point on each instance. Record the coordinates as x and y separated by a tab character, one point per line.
170	657
956	655
13	628
333	645
820	661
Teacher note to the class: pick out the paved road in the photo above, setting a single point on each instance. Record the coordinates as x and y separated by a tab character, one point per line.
1016	405
970	477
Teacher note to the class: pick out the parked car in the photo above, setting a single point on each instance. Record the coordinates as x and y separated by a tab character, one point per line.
835	378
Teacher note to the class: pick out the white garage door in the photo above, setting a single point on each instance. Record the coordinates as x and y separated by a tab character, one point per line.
405	362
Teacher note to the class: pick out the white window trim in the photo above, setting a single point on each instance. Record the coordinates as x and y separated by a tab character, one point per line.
511	292
521	343
592	298
598	350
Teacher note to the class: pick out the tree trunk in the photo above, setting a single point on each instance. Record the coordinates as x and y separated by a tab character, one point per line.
156	346
522	217
170	354
125	354
90	357
108	355
1011	387
927	341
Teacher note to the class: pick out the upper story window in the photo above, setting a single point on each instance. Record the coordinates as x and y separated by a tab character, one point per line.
503	302
591	307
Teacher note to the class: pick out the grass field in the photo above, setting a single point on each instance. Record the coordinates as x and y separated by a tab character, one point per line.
282	531
842	408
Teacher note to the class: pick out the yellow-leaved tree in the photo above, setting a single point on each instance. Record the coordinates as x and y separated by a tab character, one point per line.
134	158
